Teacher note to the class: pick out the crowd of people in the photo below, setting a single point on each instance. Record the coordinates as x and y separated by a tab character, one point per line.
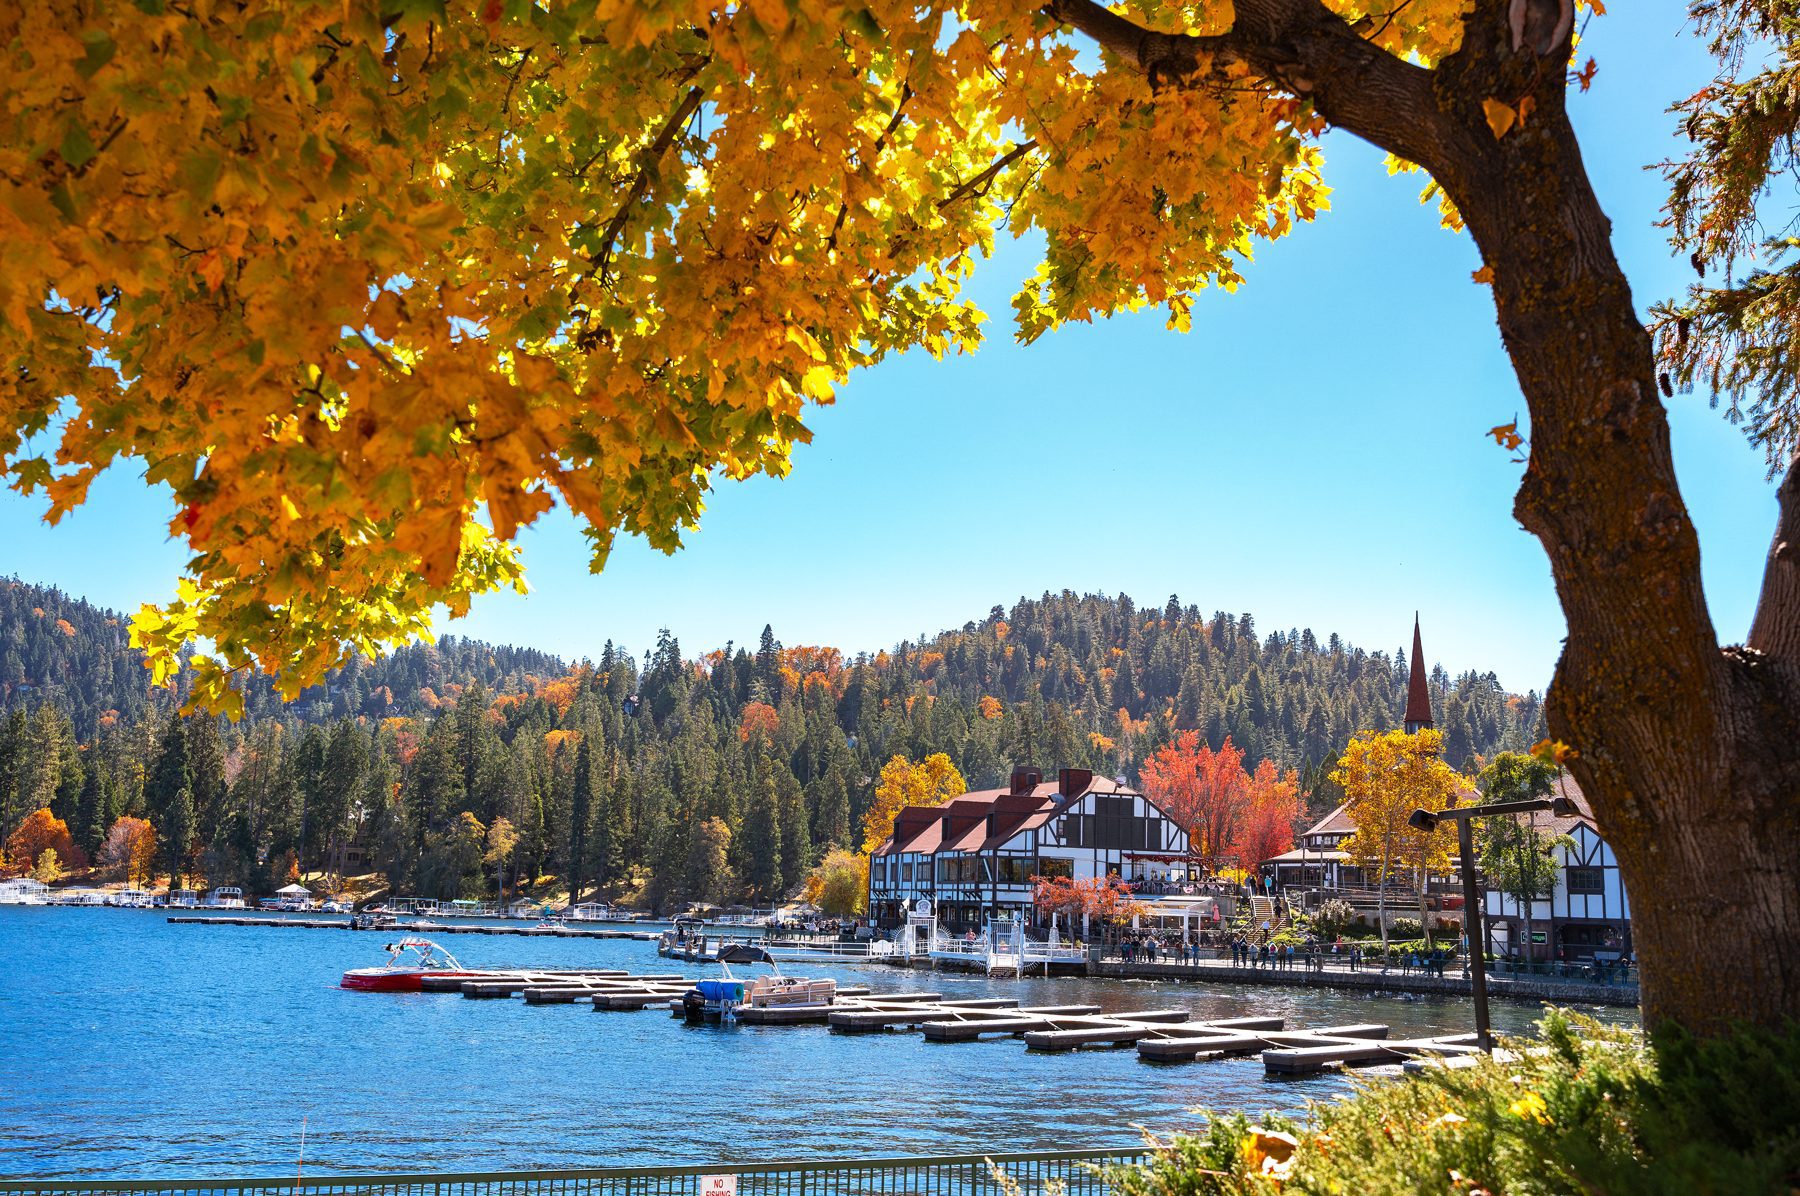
1260	950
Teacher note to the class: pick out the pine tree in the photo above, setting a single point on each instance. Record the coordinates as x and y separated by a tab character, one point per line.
759	848
581	810
12	752
796	837
831	826
168	778
177	834
206	768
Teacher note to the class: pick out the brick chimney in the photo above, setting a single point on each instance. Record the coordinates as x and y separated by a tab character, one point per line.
1025	779
1073	782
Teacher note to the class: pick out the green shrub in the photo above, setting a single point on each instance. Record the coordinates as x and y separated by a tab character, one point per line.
1406	928
1585	1109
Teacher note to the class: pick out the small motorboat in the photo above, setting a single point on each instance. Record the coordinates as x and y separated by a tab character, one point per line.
429	959
720	1000
373	920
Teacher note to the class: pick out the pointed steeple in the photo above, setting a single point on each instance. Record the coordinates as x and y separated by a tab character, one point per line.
1418	694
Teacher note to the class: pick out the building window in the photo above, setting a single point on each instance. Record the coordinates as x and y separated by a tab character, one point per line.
1586	880
1063	869
1587	936
1015	870
956	870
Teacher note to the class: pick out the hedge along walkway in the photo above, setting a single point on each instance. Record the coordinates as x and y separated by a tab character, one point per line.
1373	979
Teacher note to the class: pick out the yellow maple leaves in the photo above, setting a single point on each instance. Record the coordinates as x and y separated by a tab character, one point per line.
372	287
1501	117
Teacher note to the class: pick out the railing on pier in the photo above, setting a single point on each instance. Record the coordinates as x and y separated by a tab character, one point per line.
1076	1172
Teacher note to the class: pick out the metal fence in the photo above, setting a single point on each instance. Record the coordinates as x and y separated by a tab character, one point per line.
1076	1172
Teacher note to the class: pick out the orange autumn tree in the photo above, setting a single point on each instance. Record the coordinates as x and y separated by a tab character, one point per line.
931	782
42	831
839	884
759	723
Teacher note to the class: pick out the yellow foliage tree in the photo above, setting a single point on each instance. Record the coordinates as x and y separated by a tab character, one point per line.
931	782
371	287
1385	777
840	883
502	837
48	868
130	847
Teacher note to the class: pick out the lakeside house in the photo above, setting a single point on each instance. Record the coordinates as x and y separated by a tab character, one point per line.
1586	915
1318	862
976	856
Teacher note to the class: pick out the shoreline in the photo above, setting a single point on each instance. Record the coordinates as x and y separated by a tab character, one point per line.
1337	976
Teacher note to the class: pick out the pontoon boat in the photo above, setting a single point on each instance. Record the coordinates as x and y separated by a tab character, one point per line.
720	999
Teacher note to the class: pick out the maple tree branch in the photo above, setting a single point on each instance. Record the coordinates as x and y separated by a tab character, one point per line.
837	226
1775	631
979	183
1299	46
647	165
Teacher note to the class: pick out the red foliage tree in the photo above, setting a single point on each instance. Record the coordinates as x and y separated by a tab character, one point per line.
1272	803
1100	899
39	831
1206	792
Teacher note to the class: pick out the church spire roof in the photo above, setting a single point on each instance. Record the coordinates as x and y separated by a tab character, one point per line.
1418	694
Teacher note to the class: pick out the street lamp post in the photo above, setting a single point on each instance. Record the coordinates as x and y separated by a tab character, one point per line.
1463	816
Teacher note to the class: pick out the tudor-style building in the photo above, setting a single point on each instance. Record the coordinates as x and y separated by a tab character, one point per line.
977	854
1586	912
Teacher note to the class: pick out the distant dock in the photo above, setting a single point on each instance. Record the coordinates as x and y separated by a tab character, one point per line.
540	932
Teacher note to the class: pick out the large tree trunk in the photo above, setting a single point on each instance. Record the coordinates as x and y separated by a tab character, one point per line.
1689	755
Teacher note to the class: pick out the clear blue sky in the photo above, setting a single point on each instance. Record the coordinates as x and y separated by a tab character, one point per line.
1314	452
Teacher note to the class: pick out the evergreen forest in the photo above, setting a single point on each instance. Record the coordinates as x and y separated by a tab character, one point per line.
660	777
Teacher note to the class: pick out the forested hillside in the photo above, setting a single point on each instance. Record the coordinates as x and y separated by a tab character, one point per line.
63	650
679	777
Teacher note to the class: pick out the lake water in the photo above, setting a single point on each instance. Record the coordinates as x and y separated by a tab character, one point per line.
136	1048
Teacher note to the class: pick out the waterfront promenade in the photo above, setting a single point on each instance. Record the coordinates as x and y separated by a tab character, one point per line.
1333	972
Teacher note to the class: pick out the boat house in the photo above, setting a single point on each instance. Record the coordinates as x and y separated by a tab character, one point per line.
23	890
975	857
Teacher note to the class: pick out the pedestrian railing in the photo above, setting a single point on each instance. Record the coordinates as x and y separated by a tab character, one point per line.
1074	1172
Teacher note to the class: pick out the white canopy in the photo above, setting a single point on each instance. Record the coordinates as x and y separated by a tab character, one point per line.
293	891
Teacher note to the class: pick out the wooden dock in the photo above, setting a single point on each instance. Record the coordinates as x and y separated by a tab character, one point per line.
541	932
1159	1035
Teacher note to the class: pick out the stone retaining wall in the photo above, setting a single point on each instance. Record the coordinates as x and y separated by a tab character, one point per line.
1374	980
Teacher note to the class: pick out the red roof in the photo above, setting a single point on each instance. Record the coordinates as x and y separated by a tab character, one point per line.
1418	695
962	823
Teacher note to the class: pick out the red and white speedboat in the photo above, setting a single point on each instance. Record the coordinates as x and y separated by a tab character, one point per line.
429	959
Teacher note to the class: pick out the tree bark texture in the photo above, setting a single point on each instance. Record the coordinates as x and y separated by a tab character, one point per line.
1689	754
